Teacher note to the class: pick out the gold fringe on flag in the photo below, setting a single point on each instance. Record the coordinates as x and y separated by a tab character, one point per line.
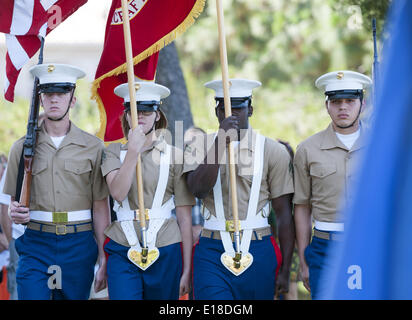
157	46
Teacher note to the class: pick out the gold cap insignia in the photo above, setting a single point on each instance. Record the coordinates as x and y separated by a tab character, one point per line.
340	75
51	68
137	86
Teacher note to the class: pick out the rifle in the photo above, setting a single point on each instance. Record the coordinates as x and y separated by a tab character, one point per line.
31	138
375	63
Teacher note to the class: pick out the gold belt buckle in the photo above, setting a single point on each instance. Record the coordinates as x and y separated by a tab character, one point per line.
59	227
60	217
137	214
230	225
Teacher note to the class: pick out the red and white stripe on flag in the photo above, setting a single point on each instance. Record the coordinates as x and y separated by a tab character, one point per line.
23	22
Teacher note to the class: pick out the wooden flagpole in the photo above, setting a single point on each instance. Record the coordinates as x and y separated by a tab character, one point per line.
228	113
133	110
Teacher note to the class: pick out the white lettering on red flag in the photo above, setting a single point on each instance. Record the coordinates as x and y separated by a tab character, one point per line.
134	7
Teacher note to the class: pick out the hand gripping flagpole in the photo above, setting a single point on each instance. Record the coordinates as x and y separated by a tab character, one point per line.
237	259
140	258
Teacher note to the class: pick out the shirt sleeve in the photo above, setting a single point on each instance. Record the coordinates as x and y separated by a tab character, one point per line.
301	177
195	152
12	168
280	171
183	197
100	189
111	158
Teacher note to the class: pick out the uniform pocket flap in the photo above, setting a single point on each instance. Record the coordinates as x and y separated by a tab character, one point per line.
245	173
322	170
39	165
78	166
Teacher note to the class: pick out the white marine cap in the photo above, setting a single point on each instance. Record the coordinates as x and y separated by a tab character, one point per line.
343	80
50	73
145	91
238	88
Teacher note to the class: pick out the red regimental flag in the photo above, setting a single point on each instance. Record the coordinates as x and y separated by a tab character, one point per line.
23	21
153	24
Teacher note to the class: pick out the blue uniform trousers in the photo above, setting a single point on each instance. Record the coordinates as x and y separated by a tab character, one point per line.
317	258
55	266
160	281
212	281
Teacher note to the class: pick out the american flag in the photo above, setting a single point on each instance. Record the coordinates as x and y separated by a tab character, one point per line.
24	22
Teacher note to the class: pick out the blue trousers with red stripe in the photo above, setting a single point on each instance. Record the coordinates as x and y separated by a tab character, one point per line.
212	281
160	281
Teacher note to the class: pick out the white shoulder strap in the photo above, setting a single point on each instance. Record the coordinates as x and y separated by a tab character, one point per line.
127	226
125	203
220	214
254	191
218	198
257	176
122	155
163	177
156	224
162	181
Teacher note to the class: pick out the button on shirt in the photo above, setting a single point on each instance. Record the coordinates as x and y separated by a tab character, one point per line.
169	233
325	174
67	178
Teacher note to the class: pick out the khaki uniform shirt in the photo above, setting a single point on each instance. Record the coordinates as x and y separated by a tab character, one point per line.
324	171
277	179
64	179
169	233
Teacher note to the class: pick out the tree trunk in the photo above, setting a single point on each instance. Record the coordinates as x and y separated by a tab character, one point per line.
176	106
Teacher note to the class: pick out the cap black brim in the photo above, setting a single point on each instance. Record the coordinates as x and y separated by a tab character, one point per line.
56	87
235	103
144	105
344	94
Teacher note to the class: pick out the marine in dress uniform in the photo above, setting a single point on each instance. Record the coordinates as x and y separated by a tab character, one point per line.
263	178
58	250
325	171
164	189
